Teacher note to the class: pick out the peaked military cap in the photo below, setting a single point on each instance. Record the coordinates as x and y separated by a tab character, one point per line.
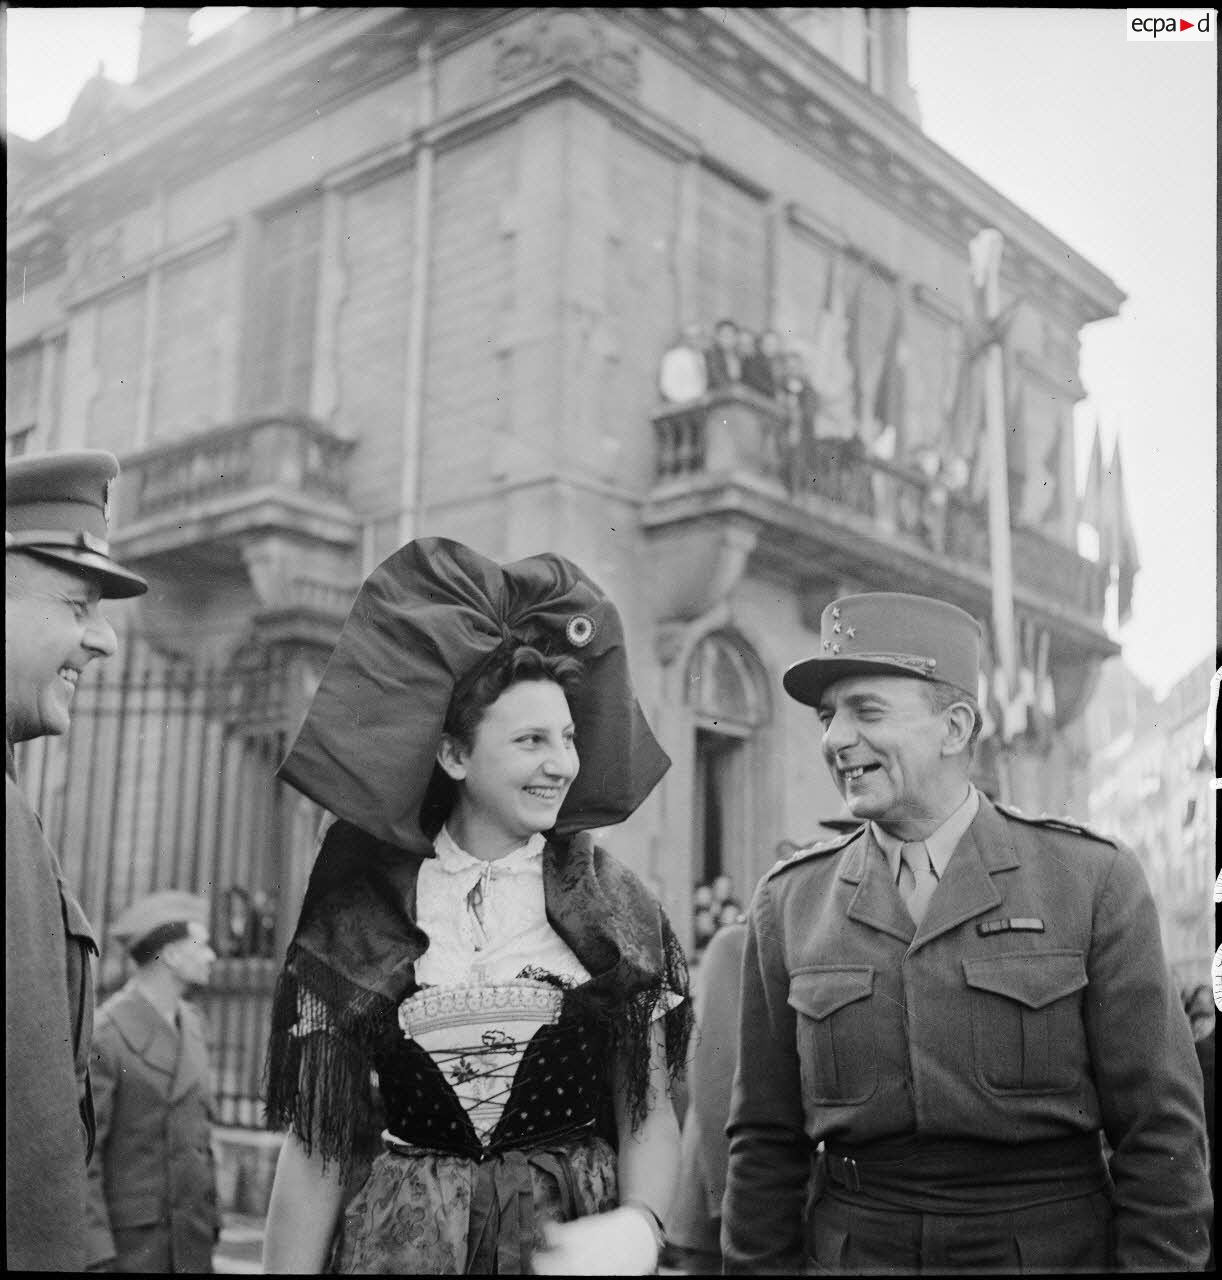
159	918
890	633
424	623
56	508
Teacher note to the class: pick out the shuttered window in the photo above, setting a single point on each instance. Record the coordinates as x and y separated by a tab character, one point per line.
731	253
280	340
186	376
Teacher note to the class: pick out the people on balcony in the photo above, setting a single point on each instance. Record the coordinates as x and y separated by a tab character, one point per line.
801	404
723	359
519	993
683	374
770	364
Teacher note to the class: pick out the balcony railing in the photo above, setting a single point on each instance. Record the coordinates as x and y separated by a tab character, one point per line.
293	454
730	430
735	434
213	492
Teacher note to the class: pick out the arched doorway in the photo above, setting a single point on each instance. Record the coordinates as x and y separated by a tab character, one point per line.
727	696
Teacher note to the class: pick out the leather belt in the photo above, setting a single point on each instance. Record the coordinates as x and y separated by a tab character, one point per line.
942	1175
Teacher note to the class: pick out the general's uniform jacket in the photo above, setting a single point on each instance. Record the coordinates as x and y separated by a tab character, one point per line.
152	1181
1032	1003
48	1020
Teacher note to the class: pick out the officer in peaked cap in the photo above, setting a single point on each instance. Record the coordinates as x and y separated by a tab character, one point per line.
57	509
57	567
954	1004
152	1180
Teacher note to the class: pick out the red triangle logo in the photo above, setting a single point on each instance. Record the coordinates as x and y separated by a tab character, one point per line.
1186	26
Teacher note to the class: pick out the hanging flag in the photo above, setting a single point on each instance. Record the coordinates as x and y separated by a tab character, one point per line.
854	271
965	416
890	392
985	256
1022	485
964	437
1054	511
1045	692
1119	546
1090	504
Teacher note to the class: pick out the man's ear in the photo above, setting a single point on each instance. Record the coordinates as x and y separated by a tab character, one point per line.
452	758
960	721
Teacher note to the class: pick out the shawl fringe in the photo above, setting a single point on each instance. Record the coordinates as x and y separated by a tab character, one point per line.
317	1073
351	963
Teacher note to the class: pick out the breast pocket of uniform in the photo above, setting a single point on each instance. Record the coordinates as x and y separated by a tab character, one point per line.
835	1032
1027	1031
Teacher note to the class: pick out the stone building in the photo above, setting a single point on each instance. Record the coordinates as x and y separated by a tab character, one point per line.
1151	785
335	278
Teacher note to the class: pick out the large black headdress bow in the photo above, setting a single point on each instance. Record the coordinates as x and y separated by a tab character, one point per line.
426	619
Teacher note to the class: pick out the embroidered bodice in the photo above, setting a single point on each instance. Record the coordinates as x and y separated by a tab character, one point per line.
479	1069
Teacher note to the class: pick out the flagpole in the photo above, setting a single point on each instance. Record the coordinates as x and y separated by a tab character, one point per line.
985	250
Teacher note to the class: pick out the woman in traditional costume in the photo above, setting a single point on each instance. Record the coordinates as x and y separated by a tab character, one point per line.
516	995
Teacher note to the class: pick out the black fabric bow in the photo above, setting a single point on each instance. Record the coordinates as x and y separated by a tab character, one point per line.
426	619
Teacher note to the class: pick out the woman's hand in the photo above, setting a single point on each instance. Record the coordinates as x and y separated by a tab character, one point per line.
620	1242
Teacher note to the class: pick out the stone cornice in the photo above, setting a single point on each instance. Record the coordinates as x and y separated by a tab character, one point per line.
755	57
749	55
328	59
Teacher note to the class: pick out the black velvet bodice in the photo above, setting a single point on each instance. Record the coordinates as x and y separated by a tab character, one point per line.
562	1086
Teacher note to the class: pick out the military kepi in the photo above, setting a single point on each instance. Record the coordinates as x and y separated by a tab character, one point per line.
56	508
890	633
158	919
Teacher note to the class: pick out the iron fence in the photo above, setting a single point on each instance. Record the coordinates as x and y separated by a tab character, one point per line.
165	779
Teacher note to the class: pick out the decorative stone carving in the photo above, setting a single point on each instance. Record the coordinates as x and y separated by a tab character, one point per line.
573	38
696	568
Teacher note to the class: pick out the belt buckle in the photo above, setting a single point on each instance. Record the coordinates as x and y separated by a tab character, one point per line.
851	1180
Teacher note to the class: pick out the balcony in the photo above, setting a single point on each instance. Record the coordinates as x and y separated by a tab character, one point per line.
722	462
257	505
217	489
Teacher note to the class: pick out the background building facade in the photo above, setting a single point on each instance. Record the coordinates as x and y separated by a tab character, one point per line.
333	279
1151	785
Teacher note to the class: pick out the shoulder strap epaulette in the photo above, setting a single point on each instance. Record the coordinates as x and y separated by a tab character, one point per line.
816	850
1056	824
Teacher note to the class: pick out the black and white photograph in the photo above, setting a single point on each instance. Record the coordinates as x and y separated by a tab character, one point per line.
612	640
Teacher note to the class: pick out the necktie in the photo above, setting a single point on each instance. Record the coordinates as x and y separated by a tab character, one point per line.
917	880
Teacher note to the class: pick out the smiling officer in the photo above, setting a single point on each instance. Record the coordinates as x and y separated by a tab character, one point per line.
958	1002
57	567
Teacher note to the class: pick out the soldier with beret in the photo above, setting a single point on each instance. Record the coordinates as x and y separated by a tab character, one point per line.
965	1050
57	568
152	1179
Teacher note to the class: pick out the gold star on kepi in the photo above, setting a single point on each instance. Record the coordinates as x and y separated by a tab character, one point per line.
56	509
890	633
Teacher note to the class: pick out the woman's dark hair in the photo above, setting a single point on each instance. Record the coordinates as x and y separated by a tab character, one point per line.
509	665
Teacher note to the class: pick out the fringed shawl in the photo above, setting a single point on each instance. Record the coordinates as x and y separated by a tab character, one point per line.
352	961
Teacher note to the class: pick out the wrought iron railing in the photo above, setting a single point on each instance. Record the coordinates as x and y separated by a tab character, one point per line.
158	784
734	432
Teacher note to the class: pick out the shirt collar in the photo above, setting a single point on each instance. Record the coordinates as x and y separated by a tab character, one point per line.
940	843
455	860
